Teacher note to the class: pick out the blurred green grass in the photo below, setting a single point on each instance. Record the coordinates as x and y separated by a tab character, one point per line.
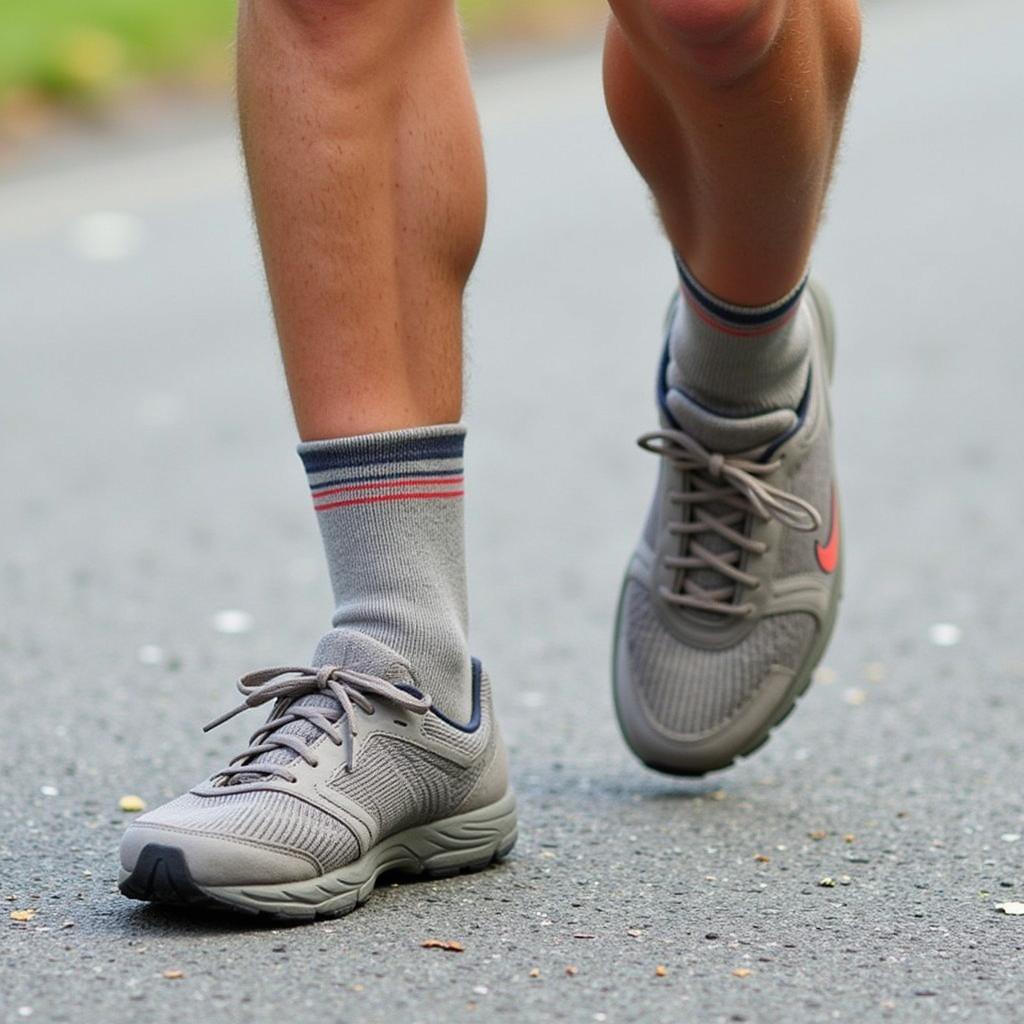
68	50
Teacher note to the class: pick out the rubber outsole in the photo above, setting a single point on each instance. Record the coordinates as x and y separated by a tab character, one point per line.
462	844
161	875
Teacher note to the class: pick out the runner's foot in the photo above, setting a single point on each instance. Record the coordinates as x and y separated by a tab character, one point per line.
355	773
731	594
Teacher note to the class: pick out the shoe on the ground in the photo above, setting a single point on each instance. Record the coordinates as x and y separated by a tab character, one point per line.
354	774
731	594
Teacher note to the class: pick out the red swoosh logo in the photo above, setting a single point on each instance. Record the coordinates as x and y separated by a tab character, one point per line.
828	553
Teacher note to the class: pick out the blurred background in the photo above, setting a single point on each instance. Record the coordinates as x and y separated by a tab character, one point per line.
156	541
81	55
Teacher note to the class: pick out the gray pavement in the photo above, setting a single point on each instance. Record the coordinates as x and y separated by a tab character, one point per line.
149	484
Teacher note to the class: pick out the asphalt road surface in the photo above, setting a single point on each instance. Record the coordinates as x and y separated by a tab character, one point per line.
149	486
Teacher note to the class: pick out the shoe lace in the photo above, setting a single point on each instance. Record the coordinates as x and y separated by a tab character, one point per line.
350	689
725	491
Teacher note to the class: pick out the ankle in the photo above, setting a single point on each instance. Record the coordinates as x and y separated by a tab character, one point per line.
739	360
389	507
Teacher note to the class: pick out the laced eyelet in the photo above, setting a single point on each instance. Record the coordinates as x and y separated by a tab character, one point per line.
352	691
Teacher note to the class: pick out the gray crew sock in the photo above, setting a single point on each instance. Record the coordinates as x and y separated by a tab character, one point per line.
390	512
739	360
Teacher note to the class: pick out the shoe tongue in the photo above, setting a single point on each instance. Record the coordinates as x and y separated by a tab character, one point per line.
349	648
345	648
727	435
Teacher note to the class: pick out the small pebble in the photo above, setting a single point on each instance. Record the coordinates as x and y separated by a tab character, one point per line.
106	236
1013	909
150	654
874	672
232	621
944	634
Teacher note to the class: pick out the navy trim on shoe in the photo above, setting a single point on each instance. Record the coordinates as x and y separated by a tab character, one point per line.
474	723
661	388
801	416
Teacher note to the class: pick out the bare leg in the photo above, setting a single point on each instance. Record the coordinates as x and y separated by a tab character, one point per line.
367	177
731	110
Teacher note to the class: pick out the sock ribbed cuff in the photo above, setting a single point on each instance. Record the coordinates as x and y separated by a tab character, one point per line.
738	360
744	321
420	464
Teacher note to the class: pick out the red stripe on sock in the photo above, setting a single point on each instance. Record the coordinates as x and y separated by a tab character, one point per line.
736	332
455	478
411	496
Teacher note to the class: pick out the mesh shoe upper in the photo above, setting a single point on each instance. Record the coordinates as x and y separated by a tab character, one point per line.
689	691
402	767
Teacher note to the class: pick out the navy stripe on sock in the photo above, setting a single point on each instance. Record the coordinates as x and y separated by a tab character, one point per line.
343	481
385	454
731	315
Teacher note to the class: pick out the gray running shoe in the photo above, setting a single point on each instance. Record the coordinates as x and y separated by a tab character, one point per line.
354	774
731	594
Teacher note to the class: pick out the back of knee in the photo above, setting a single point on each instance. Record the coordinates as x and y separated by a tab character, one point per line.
317	17
719	39
347	28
